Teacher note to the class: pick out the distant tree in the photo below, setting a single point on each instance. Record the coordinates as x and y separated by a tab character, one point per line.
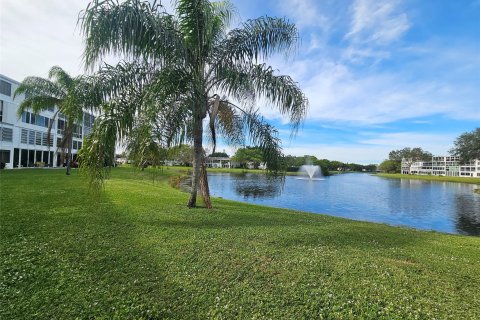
467	146
415	154
182	153
409	156
247	155
144	149
219	155
354	167
292	162
324	163
337	165
390	166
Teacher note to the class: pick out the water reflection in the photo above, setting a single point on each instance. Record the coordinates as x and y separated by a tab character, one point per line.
468	214
441	206
255	186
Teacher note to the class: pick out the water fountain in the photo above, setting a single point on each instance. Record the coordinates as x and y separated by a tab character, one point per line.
313	172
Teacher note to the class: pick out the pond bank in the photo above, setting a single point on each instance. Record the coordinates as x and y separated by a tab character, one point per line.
430	178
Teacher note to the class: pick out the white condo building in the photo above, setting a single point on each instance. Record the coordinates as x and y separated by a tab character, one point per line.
24	141
449	166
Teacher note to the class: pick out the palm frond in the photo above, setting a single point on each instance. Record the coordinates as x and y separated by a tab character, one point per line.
203	24
40	94
60	77
98	151
133	28
259	39
225	119
142	147
36	104
260	81
264	136
111	82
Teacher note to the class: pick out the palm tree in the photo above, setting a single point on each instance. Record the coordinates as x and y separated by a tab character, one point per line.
190	67
61	90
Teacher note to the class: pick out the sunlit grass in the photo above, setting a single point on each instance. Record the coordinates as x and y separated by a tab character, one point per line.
430	178
137	252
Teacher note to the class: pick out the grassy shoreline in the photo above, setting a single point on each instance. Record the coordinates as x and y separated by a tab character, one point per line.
136	251
430	178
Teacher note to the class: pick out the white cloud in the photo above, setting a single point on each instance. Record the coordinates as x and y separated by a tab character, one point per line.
340	93
435	143
377	22
355	55
305	13
374	26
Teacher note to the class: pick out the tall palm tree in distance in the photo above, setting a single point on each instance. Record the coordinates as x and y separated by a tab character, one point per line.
190	67
65	92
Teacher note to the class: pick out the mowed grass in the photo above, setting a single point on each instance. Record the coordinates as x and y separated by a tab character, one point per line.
472	180
137	252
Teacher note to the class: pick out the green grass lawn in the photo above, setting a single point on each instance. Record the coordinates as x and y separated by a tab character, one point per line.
430	178
137	252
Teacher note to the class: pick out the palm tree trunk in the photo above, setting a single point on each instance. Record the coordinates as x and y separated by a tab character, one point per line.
197	160
69	155
204	186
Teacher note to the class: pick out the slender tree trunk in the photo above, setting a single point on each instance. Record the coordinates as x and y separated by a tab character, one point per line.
69	154
197	159
204	186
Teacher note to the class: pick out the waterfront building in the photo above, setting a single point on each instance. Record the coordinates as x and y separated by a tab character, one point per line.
218	162
24	141
449	166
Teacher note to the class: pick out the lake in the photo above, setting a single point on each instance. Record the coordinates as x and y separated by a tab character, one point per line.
428	205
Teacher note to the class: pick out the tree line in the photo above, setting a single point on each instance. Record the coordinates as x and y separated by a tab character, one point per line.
288	163
466	146
244	157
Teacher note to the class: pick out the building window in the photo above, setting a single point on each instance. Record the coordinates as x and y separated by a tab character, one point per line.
5	156
16	153
38	138
77	145
77	131
31	137
88	120
60	126
6	134
5	88
44	139
36	119
1	110
24	136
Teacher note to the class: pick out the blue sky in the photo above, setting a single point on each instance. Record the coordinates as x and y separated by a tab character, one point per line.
380	75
